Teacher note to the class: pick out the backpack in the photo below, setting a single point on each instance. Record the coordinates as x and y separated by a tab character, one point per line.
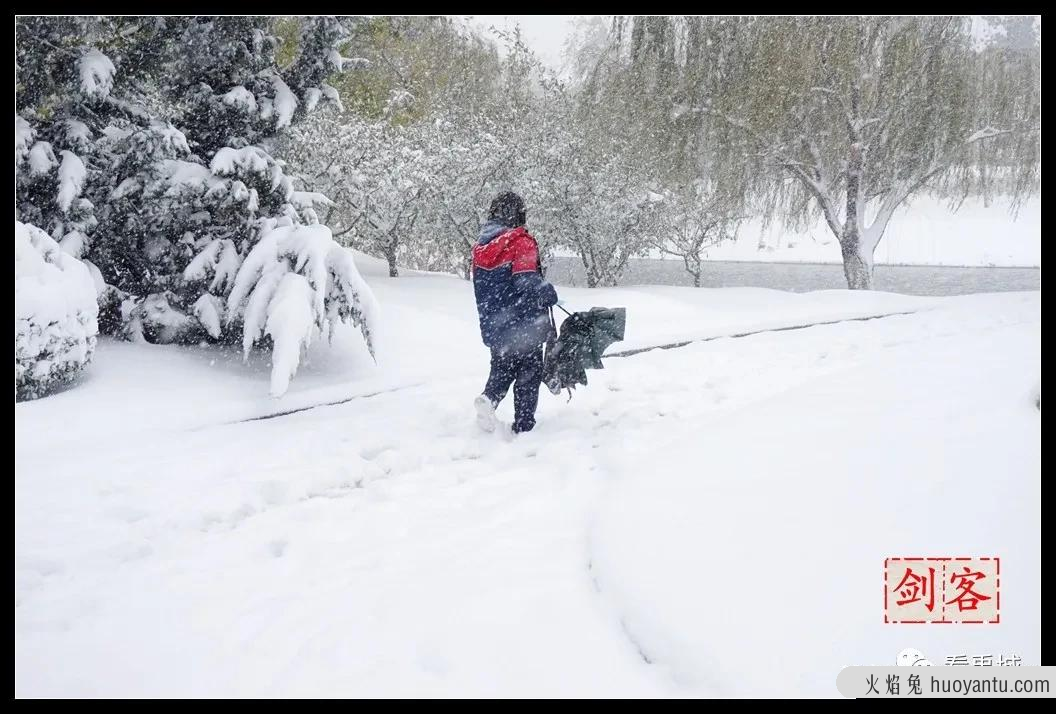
583	340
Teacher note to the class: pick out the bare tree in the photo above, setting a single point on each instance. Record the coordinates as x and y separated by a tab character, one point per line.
693	219
865	113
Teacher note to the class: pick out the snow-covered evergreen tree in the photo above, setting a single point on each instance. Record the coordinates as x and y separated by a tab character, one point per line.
144	145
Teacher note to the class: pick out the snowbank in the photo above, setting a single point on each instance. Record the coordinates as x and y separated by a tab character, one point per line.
55	314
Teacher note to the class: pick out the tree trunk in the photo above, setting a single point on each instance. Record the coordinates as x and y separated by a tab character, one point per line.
591	272
467	264
390	256
857	266
693	267
985	177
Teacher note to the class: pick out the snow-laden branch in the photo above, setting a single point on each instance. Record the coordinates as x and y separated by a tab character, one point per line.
986	133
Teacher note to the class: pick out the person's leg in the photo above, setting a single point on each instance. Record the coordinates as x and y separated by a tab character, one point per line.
503	372
499	379
526	389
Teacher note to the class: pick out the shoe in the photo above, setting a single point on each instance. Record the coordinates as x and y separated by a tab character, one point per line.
486	419
519	429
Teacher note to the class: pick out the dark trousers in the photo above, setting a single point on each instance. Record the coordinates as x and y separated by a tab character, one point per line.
525	371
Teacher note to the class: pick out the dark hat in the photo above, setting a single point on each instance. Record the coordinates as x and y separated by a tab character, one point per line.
508	209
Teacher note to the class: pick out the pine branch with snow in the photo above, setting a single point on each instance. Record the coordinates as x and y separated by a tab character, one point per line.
294	285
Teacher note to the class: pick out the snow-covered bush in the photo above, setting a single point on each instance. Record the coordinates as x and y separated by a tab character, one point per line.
55	314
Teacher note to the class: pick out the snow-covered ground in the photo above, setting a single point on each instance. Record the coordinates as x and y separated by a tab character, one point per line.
709	520
925	232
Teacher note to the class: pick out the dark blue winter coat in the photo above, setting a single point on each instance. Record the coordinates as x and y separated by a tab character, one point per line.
512	296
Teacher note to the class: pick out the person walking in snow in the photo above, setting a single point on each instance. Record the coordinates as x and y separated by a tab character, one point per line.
513	302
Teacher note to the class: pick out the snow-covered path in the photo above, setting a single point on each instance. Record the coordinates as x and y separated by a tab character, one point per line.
709	520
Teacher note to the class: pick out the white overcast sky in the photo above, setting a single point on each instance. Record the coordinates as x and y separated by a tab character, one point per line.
545	34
